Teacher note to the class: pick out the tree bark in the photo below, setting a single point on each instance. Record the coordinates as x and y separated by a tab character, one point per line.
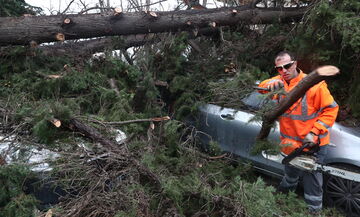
306	83
23	30
88	47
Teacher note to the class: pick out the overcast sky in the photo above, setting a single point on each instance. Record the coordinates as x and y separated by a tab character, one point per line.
53	6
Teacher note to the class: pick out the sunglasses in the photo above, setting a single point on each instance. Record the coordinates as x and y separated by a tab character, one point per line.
286	66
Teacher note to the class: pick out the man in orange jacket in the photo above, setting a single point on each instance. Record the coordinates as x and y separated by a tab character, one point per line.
306	121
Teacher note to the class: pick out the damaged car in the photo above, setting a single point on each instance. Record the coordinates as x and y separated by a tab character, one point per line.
234	131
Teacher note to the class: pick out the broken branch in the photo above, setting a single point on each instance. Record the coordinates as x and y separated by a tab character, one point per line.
165	118
306	83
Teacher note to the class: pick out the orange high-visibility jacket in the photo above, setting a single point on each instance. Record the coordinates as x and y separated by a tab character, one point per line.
316	111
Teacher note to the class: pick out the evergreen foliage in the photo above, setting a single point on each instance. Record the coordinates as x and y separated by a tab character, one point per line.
331	34
13	201
15	8
223	72
215	187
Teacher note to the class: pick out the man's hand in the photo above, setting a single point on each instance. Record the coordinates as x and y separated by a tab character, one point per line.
312	139
275	85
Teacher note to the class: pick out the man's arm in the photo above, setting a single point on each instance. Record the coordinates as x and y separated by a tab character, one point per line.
327	108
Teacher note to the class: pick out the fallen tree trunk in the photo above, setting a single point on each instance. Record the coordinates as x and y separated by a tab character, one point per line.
306	83
39	29
88	47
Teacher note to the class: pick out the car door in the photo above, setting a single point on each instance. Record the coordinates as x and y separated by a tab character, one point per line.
236	133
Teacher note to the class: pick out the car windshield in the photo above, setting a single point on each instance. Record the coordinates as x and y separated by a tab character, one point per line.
254	101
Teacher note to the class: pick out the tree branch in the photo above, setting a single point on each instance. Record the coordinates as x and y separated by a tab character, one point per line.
67	8
165	118
93	8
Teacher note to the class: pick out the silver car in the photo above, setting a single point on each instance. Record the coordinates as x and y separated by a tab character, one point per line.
235	134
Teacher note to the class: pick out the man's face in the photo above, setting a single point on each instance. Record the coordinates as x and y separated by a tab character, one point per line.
286	67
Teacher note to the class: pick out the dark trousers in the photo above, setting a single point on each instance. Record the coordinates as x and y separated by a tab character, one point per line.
312	182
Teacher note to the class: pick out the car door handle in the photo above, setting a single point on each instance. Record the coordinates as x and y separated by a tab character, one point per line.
227	116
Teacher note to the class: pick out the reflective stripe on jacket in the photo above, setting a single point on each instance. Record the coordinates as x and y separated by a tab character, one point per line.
316	111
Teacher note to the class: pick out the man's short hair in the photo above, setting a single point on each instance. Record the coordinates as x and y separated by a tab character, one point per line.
283	53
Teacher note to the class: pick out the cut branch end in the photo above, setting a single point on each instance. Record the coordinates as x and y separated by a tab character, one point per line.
60	37
328	70
67	21
212	24
153	14
56	122
117	11
33	44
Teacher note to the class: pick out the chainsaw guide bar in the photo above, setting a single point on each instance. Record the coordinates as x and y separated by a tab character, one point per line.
308	163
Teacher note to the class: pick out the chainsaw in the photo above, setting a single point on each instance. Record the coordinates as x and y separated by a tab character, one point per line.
301	160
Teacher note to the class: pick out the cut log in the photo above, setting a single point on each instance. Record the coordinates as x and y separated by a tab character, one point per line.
306	83
22	30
